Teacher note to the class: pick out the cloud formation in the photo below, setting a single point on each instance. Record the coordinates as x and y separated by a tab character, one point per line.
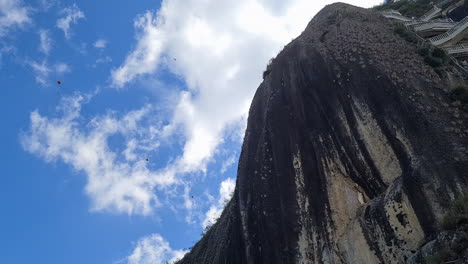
45	41
100	43
226	190
153	249
13	14
71	15
227	163
145	57
118	180
46	4
42	71
113	151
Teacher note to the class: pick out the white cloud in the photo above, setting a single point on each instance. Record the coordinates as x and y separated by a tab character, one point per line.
46	4
226	191
145	57
154	249
227	163
219	48
13	14
101	60
62	68
45	41
100	43
71	16
6	50
104	60
118	180
43	70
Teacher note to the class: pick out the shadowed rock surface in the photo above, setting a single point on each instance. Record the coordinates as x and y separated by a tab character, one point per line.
353	151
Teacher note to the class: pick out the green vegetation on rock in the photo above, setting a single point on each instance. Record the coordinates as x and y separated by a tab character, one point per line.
460	93
456	220
433	56
458	215
406	34
437	57
442	256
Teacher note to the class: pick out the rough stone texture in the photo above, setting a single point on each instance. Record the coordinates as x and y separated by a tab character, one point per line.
352	153
445	240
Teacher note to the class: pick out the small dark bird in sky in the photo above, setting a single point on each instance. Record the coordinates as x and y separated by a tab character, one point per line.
147	159
192	196
174	59
59	82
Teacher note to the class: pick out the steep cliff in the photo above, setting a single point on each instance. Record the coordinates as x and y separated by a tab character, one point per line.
352	153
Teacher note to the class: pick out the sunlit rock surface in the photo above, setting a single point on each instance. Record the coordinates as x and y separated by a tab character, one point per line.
352	153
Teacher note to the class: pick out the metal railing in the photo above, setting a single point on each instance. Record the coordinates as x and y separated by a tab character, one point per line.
395	15
453	32
457	49
413	23
430	14
460	68
443	20
416	23
445	3
434	25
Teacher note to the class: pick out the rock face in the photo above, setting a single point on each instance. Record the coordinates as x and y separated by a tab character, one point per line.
352	153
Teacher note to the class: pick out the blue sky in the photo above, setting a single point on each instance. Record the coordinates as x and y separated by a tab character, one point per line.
170	82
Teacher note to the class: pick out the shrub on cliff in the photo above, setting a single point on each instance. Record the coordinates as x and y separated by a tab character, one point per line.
460	93
442	256
433	56
424	51
439	53
432	61
457	217
406	34
456	220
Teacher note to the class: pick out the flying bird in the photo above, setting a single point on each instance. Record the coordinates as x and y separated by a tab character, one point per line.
59	82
